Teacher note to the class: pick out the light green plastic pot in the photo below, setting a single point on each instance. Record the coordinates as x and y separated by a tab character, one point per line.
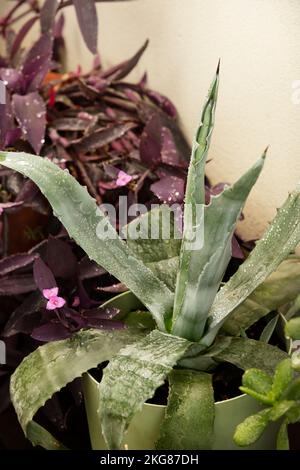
144	428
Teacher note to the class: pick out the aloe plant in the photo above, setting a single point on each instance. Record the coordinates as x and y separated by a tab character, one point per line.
198	324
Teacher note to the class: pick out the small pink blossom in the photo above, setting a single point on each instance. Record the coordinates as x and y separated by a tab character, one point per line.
54	301
76	301
123	178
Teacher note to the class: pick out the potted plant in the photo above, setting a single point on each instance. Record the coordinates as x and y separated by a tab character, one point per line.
192	316
280	396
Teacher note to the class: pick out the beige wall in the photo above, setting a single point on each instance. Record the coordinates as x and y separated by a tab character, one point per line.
259	45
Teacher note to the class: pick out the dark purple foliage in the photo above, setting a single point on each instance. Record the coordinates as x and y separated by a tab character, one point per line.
24	30
88	22
151	142
98	126
30	112
43	276
47	15
37	63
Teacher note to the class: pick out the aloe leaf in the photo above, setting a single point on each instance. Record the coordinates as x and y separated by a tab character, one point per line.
50	367
132	377
208	265
78	212
250	430
195	192
269	329
189	419
154	238
166	270
246	353
280	239
280	288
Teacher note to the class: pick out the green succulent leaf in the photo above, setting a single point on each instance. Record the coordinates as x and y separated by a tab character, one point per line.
250	430
87	224
280	239
293	390
195	194
208	264
132	377
269	329
282	378
280	288
280	408
282	442
257	396
246	353
292	328
257	380
189	419
52	366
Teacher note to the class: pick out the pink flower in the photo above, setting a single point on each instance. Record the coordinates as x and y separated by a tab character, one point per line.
123	178
1	210
76	301
54	301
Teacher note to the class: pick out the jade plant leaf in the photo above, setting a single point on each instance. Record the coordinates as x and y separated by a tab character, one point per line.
208	264
189	419
250	430
195	193
132	377
89	227
282	378
257	380
50	367
282	437
281	287
292	328
280	239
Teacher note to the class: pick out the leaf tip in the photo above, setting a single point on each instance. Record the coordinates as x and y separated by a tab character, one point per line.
218	67
265	152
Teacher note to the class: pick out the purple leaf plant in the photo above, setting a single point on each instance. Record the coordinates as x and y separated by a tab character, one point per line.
116	137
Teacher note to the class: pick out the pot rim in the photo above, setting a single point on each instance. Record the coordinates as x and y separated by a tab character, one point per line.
229	400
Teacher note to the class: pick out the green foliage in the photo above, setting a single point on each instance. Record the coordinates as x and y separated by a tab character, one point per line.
281	394
132	377
54	365
177	281
280	288
189	419
83	219
292	328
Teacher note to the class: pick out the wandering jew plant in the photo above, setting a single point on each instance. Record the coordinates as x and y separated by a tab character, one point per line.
198	324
